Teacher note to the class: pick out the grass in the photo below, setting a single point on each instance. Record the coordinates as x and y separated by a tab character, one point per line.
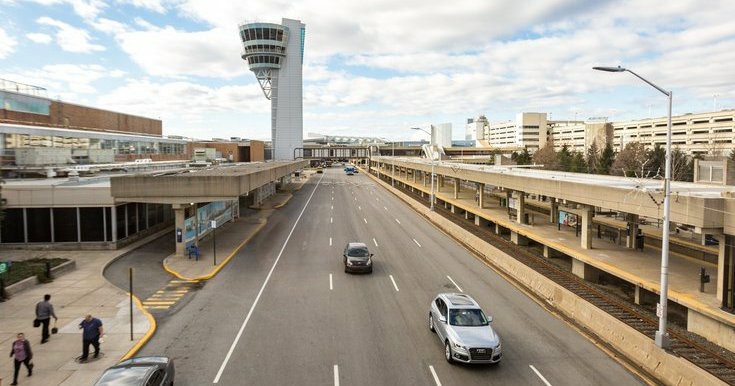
20	270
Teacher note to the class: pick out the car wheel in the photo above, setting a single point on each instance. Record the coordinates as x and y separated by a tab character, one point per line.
431	323
448	352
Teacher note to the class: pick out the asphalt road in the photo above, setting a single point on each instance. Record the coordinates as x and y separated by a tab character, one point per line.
283	312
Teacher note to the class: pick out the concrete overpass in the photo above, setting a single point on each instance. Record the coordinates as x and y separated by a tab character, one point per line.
186	189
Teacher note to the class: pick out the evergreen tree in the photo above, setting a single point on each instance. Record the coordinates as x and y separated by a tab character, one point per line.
593	159
565	158
579	165
607	158
656	162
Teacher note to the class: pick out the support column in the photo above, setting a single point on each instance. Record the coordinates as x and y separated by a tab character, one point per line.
521	208
457	184
586	227
632	232
554	211
180	226
480	195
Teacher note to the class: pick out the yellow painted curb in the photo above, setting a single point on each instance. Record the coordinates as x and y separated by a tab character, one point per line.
223	263
148	334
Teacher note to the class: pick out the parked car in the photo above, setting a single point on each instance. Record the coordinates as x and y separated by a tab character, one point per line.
140	371
357	258
464	329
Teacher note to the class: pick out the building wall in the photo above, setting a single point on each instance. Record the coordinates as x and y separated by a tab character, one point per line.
579	136
287	100
61	114
442	134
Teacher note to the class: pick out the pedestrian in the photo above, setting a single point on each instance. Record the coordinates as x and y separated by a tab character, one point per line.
92	331
44	312
21	348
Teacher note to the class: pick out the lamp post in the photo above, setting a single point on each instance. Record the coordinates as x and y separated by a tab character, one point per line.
393	165
662	339
433	175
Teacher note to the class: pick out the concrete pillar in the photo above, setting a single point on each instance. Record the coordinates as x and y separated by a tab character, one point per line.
548	252
180	226
586	227
457	184
479	221
441	180
521	208
452	208
637	296
632	220
553	211
585	271
480	195
424	178
518	239
497	229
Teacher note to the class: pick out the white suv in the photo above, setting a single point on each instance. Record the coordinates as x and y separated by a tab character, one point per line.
464	329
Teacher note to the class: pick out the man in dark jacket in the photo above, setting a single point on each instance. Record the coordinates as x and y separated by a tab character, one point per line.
21	349
92	331
44	312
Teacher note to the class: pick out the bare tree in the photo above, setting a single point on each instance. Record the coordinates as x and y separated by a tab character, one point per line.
631	161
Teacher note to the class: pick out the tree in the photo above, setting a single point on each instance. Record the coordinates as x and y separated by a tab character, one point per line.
593	159
657	162
607	158
565	158
578	165
682	167
631	161
522	158
547	157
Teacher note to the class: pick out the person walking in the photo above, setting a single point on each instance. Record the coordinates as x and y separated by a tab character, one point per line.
44	312
21	349
92	331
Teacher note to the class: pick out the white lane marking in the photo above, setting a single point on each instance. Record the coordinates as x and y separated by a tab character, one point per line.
539	375
359	207
331	220
386	208
355	198
336	375
332	208
398	221
394	283
375	242
455	284
262	288
436	378
330	241
417	243
364	219
332	198
331	287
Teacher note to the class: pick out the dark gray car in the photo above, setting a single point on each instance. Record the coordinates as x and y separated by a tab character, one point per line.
357	258
464	329
140	371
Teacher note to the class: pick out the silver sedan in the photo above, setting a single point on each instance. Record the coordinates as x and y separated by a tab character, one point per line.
464	329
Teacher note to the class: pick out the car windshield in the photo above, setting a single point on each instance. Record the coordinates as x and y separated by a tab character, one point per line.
124	376
467	317
358	252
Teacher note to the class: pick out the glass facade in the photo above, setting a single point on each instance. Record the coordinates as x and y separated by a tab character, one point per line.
10	141
80	225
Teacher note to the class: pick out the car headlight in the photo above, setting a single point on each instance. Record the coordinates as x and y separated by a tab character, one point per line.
349	262
460	347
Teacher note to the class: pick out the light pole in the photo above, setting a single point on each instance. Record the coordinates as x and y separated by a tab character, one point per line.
393	165
662	339
433	175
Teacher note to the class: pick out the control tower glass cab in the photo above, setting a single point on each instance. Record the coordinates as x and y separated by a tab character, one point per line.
264	48
275	54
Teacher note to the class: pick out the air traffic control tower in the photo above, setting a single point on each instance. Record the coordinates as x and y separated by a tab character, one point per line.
275	53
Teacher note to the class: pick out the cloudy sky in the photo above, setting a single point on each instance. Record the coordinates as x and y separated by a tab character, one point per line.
375	67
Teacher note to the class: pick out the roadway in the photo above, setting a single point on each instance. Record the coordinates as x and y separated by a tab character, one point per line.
283	311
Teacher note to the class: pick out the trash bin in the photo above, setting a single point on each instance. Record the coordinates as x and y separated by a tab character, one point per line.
639	242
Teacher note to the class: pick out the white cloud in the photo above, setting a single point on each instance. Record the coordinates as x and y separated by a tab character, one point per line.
70	38
39	38
86	9
153	5
172	53
8	44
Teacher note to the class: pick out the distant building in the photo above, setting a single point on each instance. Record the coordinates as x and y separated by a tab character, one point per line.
475	129
528	130
441	134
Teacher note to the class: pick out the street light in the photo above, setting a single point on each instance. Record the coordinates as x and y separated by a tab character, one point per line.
393	165
433	175
662	340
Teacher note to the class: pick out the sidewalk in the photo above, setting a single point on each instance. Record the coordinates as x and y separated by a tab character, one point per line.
86	291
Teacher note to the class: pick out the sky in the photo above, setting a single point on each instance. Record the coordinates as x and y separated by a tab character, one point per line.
376	68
